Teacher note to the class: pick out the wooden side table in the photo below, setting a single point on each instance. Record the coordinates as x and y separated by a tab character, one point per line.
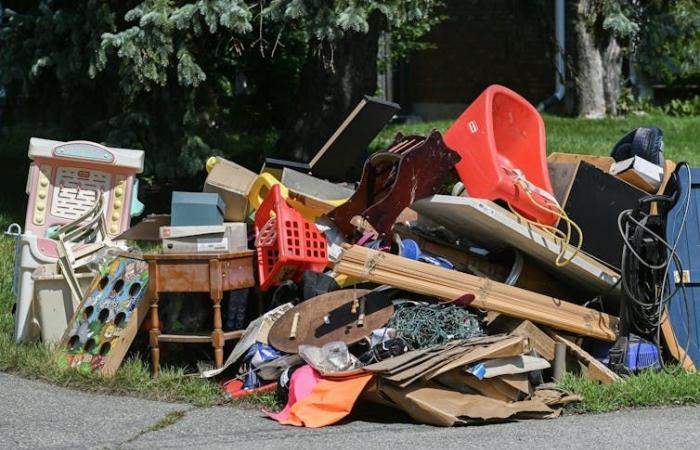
214	273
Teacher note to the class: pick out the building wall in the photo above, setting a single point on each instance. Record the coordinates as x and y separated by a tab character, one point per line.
482	42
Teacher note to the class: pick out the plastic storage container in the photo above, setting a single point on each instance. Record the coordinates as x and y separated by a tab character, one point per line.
53	300
286	243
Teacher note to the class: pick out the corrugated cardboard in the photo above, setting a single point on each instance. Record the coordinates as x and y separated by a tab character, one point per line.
431	404
640	173
232	182
229	237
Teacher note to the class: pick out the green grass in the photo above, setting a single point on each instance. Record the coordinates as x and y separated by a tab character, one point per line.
134	378
595	137
672	387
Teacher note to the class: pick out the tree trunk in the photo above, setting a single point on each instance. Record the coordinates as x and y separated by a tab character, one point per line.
599	63
332	82
612	75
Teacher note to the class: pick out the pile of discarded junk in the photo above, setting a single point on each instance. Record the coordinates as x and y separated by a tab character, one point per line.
458	280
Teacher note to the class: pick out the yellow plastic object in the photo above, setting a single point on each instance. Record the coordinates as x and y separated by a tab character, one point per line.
211	162
346	280
307	206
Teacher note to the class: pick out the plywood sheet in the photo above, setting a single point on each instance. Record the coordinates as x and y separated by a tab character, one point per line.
335	316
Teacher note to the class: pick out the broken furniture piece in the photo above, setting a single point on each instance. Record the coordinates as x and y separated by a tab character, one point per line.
106	321
411	168
185	273
426	279
348	315
501	140
65	181
347	146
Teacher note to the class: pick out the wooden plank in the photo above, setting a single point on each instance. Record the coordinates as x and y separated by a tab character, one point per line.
539	340
594	368
602	162
422	278
673	346
490	225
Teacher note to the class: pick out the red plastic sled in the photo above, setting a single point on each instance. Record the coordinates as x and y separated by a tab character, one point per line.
502	142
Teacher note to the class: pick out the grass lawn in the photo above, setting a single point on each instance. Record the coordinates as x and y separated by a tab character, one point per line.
595	137
133	378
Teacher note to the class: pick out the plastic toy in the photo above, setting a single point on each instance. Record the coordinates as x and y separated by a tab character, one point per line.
65	180
107	320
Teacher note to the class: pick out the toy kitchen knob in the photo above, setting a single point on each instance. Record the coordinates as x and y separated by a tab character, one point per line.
119	191
116	216
42	195
117	204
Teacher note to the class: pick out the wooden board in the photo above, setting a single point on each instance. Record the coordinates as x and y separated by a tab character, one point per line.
492	226
105	323
482	293
349	142
539	340
331	317
594	369
594	201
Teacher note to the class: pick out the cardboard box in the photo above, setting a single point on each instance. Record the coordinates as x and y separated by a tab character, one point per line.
229	237
640	173
232	182
196	209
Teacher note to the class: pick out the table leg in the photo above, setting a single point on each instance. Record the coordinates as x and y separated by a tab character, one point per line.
153	334
216	294
217	335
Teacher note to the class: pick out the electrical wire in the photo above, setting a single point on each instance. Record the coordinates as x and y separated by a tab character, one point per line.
647	303
559	236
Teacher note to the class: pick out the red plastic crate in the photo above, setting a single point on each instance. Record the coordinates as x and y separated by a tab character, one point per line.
287	244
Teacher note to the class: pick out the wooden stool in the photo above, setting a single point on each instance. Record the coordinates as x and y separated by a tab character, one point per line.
214	273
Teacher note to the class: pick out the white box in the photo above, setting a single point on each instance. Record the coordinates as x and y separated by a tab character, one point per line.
229	237
640	173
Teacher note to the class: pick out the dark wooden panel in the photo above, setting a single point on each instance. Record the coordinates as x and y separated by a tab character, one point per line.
594	202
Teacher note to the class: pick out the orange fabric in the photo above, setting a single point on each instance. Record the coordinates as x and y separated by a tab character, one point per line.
329	402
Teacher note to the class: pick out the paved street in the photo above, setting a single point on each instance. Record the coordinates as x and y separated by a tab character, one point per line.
38	415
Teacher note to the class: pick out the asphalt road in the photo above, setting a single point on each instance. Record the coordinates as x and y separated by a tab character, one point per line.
37	415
